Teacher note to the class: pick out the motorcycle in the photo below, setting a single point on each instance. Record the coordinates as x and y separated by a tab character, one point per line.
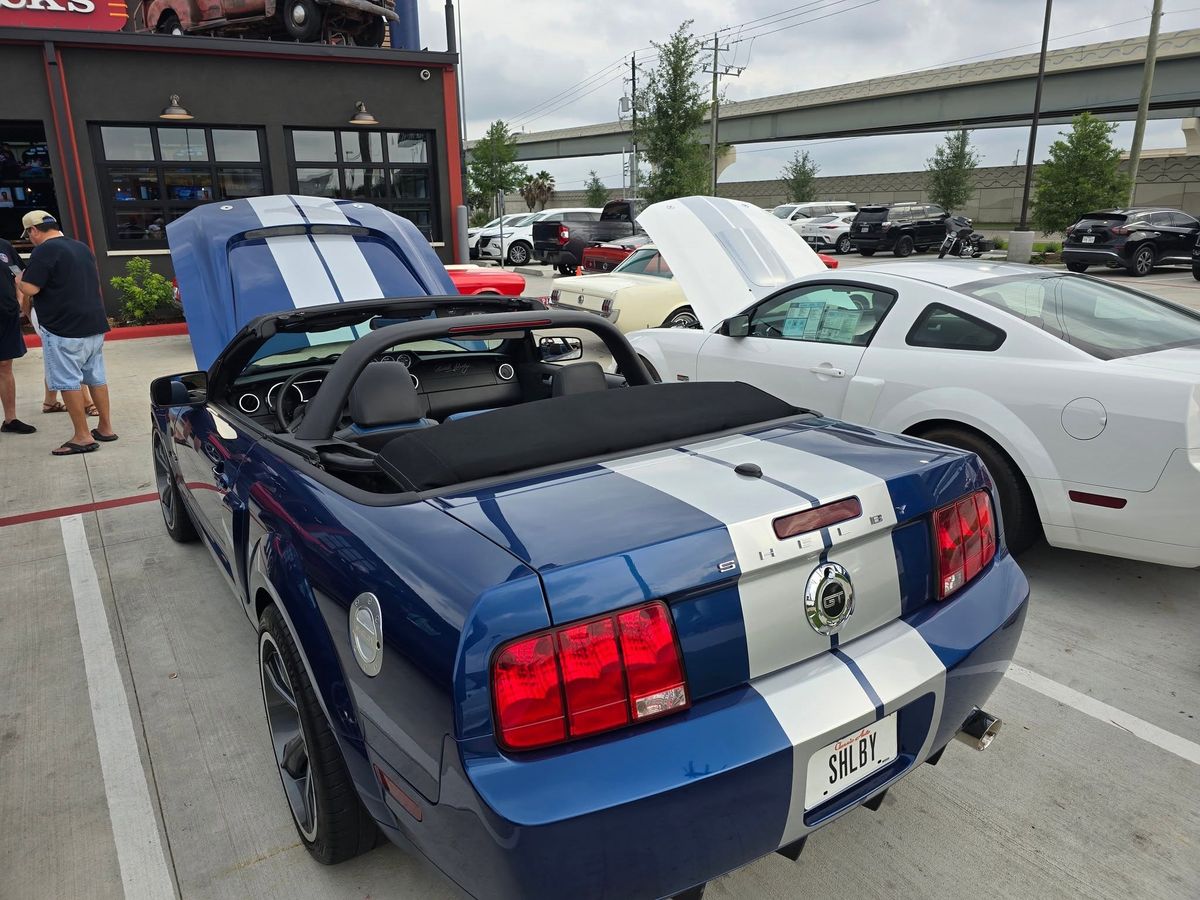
961	240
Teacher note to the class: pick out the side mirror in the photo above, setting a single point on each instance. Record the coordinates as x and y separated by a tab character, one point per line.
559	349
179	390
738	326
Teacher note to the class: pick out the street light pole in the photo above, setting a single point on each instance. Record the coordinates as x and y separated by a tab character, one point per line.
1033	127
1139	129
712	140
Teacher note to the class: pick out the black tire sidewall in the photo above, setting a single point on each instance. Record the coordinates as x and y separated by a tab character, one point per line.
521	247
181	530
843	245
904	246
311	30
1141	251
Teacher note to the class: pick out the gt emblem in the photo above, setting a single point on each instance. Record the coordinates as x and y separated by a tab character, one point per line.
828	598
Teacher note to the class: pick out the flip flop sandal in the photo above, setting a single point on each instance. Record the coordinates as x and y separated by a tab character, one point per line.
104	438
56	406
70	449
92	411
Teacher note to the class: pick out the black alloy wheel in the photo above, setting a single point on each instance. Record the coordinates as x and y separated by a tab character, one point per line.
904	246
1077	267
566	270
1143	261
174	513
843	244
326	810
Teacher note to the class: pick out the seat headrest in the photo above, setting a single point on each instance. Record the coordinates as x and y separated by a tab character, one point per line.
579	378
384	394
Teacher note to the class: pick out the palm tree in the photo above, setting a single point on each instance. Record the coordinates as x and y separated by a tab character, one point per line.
545	185
531	191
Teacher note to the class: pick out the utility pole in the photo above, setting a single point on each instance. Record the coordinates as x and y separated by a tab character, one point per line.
717	71
1139	129
1037	111
633	164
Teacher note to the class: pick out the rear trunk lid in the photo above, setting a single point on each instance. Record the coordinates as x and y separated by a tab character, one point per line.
682	526
869	222
1095	229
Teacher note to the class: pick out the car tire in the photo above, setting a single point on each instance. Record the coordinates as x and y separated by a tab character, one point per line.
1196	272
169	24
332	823
566	270
372	33
1077	267
843	244
682	318
518	253
175	514
1143	261
302	20
866	252
1022	526
904	246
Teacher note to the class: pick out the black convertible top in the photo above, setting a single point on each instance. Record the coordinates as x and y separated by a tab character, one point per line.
572	427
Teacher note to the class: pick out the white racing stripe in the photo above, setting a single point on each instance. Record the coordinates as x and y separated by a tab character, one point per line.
320	210
1152	734
144	871
349	268
275	211
303	272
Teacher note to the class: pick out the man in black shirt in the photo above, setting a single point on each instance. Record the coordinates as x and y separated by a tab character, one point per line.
63	285
12	342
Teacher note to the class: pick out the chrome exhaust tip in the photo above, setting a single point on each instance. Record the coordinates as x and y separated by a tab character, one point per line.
979	730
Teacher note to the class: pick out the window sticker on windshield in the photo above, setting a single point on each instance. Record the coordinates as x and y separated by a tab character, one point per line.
839	325
803	319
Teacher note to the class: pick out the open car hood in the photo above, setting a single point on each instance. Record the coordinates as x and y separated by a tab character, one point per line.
240	259
726	254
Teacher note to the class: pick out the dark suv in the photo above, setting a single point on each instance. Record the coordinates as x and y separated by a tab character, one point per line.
899	227
1138	238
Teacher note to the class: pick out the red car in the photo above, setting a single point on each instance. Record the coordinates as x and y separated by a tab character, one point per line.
606	257
471	279
359	22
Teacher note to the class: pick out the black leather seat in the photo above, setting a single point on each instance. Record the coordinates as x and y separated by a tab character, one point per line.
578	378
383	404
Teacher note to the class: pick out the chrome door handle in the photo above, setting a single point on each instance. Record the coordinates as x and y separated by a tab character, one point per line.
828	370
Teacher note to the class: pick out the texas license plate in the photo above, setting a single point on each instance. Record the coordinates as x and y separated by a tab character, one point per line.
1089	239
848	761
864	227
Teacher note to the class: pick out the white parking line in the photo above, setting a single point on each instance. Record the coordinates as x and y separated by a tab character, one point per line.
144	870
1152	734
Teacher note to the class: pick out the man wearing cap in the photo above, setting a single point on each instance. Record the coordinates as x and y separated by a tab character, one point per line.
63	285
12	342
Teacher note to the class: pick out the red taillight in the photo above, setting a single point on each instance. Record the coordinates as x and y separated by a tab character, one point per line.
607	305
831	226
814	519
587	677
564	234
966	541
1120	229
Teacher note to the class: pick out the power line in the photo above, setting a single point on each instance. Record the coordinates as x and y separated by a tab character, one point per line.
808	21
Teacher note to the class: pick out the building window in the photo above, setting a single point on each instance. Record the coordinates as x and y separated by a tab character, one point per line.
26	179
390	169
152	174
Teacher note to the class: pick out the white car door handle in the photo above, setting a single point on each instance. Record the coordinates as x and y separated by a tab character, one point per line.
829	370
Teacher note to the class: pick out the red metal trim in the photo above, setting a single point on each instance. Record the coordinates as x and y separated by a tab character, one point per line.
49	49
61	511
166	329
87	217
454	171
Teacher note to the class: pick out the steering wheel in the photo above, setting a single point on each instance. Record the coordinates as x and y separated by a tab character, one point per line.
290	410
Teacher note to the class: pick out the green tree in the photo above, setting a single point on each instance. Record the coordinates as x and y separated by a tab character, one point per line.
800	178
1081	174
952	170
594	192
545	187
493	167
671	111
144	293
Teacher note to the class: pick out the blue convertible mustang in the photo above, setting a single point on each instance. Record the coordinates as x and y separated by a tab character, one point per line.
561	632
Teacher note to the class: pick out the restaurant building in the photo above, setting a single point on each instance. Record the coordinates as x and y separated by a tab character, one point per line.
120	133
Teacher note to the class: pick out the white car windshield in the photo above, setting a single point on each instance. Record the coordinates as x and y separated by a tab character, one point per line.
782	212
1106	321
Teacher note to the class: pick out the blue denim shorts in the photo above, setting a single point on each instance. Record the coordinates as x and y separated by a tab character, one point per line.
72	361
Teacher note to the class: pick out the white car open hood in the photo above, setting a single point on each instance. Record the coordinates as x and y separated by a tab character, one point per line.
726	254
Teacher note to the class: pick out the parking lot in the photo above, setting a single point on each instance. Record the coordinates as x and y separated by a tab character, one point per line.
1092	788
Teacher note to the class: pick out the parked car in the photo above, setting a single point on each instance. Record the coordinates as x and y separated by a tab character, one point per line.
474	232
796	214
605	257
471	279
515	244
359	22
530	705
638	293
1137	239
1081	396
559	241
1196	259
829	232
898	227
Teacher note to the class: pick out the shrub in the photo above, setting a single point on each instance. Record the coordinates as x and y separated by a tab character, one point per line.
1001	243
143	292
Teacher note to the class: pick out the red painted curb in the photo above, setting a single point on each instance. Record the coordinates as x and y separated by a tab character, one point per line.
126	333
61	511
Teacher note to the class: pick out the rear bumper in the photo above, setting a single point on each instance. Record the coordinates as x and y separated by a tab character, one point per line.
612	315
820	241
652	811
556	257
871	242
1095	256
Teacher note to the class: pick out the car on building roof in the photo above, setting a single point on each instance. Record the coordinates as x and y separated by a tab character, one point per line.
805	612
1082	396
359	22
639	293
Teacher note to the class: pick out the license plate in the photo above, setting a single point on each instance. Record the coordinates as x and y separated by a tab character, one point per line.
1089	239
810	238
848	761
864	227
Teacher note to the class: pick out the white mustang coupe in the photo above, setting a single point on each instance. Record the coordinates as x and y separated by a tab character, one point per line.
1082	397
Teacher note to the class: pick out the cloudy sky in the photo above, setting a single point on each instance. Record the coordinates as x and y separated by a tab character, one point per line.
541	65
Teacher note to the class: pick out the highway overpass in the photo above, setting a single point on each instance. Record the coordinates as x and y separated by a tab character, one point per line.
1104	79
